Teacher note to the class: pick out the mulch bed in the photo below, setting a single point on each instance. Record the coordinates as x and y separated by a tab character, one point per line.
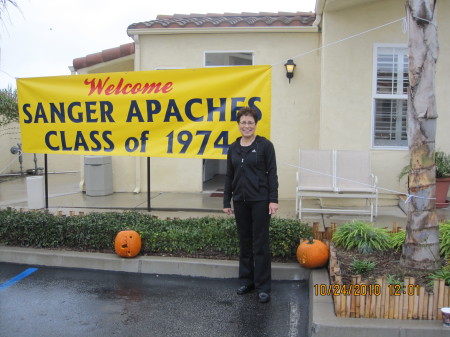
387	264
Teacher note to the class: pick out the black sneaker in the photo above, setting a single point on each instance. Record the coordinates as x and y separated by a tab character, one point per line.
263	297
245	289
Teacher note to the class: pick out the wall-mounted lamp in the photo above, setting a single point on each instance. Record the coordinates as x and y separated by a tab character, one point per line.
290	66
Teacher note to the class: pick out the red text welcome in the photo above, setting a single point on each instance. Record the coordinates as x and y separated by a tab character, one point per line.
100	86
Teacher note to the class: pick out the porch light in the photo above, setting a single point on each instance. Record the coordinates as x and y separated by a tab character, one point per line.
290	66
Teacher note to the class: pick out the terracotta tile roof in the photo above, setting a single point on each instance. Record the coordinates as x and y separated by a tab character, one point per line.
298	19
104	56
281	19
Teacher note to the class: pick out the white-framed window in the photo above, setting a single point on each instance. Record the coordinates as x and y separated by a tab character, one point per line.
390	96
228	58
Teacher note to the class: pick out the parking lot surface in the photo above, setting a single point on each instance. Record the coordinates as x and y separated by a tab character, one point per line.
75	302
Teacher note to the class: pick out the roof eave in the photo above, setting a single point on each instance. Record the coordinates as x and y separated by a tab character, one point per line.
221	30
98	67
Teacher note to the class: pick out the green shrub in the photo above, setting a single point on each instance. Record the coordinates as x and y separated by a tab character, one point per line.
190	236
362	266
391	279
397	239
207	236
285	236
442	161
443	274
444	238
34	230
363	236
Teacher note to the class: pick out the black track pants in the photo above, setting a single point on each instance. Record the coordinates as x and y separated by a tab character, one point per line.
253	221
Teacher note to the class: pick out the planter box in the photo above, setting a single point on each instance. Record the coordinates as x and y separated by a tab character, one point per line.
381	300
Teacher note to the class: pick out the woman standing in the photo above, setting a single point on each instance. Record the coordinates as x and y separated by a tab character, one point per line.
252	183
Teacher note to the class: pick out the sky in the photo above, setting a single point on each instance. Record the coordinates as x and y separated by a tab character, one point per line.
42	37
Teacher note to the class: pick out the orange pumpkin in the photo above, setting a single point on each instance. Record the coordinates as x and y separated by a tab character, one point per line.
127	243
312	253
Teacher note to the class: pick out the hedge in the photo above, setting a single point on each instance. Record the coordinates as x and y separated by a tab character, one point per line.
206	236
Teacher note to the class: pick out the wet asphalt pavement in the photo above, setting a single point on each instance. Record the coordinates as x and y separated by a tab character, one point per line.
71	302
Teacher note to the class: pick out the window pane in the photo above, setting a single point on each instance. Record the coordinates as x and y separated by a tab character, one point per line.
228	59
386	73
392	71
390	122
405	74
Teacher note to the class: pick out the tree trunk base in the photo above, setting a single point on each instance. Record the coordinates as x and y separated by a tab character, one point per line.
419	258
420	265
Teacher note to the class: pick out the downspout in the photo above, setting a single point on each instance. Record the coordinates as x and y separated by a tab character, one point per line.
317	21
137	162
81	185
320	6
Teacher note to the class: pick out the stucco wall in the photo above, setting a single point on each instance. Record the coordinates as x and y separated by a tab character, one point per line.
442	77
347	80
10	164
9	137
295	106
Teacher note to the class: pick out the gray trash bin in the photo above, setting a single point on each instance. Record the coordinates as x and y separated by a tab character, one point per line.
98	175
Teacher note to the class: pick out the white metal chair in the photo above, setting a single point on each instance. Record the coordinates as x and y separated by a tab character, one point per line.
336	174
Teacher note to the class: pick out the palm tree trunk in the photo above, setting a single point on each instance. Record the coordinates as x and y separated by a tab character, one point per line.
421	248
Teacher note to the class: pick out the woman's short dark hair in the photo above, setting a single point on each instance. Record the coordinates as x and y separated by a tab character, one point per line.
247	111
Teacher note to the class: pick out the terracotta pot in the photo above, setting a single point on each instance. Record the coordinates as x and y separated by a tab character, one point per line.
442	185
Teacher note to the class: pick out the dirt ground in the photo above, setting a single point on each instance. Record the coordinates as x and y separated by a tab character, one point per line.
387	263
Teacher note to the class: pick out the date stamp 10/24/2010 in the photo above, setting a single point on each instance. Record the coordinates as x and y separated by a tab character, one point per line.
364	289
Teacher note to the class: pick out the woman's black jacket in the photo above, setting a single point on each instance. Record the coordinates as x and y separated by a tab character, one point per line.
252	173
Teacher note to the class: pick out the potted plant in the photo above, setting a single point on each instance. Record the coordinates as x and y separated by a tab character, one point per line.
442	161
442	178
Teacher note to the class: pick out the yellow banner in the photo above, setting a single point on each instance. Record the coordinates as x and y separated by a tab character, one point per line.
184	113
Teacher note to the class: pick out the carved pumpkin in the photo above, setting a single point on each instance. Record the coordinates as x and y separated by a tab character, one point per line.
127	243
312	253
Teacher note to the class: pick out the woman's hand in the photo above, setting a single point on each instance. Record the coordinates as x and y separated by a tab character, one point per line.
273	207
228	211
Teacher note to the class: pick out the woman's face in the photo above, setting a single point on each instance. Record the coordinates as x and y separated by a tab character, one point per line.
247	126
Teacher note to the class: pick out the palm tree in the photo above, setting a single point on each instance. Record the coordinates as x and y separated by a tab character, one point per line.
421	248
